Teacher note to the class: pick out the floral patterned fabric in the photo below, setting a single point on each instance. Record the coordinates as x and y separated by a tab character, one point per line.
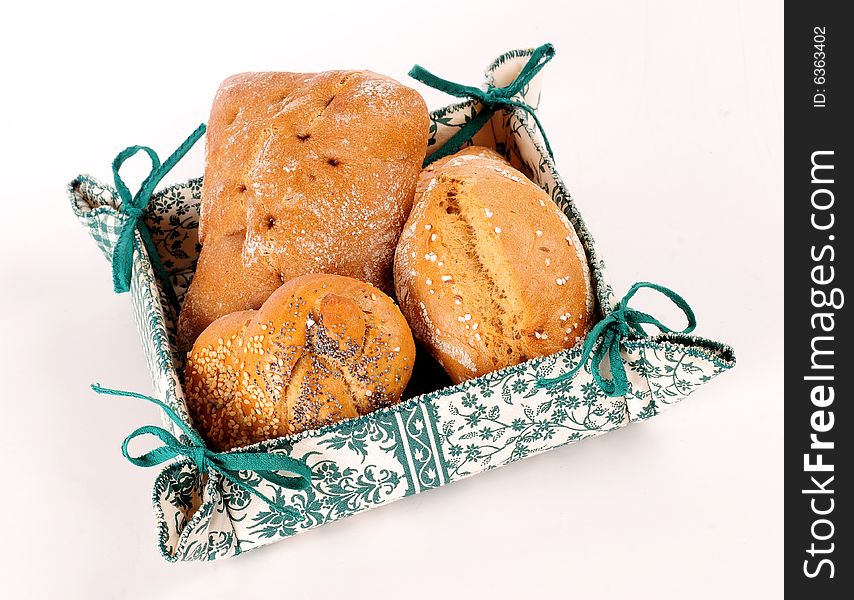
422	443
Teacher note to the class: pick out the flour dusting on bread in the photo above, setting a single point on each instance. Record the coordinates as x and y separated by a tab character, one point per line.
314	173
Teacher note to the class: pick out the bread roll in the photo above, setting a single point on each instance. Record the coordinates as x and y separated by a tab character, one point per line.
322	348
488	271
306	173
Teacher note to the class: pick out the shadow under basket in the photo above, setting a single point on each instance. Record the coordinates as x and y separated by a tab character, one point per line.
429	440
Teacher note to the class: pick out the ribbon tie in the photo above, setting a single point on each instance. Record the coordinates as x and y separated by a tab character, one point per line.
608	334
133	206
492	99
228	464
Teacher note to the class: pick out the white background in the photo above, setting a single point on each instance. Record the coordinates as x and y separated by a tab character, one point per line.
666	122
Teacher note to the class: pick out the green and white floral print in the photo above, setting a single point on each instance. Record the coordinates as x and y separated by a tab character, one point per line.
422	443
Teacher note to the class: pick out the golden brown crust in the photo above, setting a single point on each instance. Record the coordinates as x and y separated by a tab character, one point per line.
220	267
489	272
312	173
322	348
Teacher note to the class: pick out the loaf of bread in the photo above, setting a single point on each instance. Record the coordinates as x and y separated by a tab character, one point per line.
322	348
305	173
489	272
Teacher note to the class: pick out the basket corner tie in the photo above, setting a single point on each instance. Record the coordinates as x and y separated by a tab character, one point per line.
228	464
607	336
492	99
133	207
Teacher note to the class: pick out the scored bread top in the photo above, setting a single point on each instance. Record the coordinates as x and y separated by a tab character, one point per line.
489	271
322	348
306	173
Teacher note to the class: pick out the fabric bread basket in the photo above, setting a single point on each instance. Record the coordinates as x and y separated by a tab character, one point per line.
210	506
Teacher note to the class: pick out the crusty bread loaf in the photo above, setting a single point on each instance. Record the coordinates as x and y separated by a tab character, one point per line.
322	348
488	271
306	173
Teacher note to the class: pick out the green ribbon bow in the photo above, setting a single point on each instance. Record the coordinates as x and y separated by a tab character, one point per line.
228	464
492	99
612	330
134	207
